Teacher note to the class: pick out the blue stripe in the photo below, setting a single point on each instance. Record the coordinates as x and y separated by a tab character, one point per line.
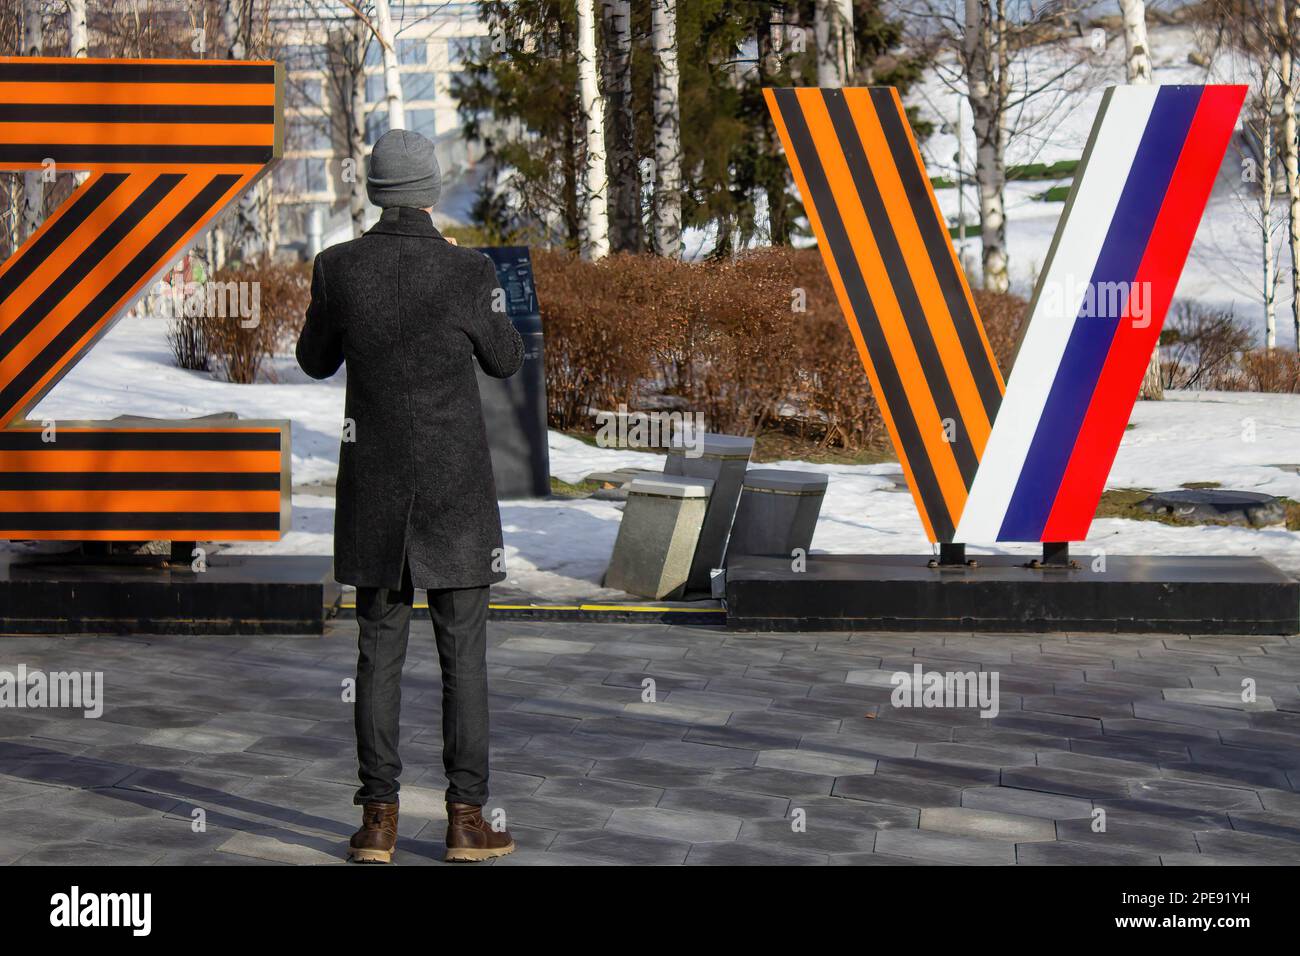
1089	343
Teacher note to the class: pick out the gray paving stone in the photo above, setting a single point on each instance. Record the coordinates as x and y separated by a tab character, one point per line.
685	753
1076	854
815	838
853	745
978	755
1277	826
583	745
875	859
690	826
609	793
742	739
89	854
1028	803
650	773
1218	698
810	761
877	788
1122	835
989	824
729	802
951	774
1070	783
945	847
1225	775
1248	847
782	783
1195	795
622	847
750	854
855	814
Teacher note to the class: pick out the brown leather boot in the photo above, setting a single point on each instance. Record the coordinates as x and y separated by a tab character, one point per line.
375	841
470	838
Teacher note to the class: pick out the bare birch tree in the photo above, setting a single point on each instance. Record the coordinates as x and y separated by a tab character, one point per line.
595	239
833	26
667	229
1137	62
78	48
625	185
987	91
352	51
78	37
1285	30
392	75
33	179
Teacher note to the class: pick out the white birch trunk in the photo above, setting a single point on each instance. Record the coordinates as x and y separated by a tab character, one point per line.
356	106
244	230
1266	228
984	91
833	26
392	75
1136	48
33	179
625	222
1137	51
592	108
79	48
1285	25
667	127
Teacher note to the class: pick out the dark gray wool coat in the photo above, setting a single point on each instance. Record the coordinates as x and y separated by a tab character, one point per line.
408	311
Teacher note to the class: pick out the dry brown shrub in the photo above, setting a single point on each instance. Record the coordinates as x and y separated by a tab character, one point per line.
754	343
240	346
1270	370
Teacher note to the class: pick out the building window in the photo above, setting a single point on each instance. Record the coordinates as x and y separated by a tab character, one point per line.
308	133
305	175
419	86
375	88
376	126
306	91
465	49
411	52
424	122
300	56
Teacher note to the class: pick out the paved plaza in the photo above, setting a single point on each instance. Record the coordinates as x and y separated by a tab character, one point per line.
747	748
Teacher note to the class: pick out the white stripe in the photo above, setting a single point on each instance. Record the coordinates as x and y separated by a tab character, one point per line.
1079	238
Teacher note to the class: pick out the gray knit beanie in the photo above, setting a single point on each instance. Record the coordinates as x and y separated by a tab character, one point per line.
403	171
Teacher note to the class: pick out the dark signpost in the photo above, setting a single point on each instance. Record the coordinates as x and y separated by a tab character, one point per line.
514	409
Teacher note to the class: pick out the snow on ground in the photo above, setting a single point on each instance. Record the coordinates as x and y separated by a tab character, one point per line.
557	549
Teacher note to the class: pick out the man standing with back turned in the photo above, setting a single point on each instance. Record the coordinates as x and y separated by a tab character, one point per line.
408	311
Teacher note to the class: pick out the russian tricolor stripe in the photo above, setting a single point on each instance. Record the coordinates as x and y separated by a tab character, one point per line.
1111	273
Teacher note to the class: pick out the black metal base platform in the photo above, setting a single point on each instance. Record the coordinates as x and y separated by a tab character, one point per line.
1188	595
237	594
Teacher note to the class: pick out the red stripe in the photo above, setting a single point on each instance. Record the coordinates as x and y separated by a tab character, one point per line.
1130	351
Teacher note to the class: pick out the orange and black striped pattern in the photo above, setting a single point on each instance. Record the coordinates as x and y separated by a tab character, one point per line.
896	275
168	145
133	483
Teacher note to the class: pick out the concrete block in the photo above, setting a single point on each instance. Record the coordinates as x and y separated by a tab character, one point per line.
777	513
723	460
658	536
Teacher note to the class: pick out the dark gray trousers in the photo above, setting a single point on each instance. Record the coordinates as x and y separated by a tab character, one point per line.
460	628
